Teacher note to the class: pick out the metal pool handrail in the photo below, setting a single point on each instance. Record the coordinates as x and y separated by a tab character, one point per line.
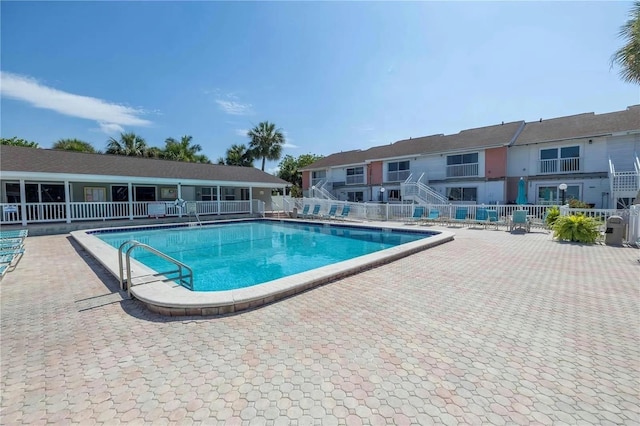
135	244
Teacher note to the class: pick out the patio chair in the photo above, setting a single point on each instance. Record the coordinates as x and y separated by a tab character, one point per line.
331	213
418	212
314	213
460	216
21	233
345	212
305	211
481	217
519	220
493	219
433	217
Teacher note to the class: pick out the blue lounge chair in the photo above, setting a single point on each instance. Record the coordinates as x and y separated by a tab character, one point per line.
315	212
418	212
331	213
493	219
519	220
305	211
481	217
21	233
461	215
345	212
434	216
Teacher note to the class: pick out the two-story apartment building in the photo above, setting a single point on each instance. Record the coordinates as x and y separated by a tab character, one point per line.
483	165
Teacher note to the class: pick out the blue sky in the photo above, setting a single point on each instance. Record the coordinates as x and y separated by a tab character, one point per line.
334	76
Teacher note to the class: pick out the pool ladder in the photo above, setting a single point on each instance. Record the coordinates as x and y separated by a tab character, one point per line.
183	278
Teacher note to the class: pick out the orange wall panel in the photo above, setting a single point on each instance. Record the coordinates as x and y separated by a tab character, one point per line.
306	180
495	162
375	173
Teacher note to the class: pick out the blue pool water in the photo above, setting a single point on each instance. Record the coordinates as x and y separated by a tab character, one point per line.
237	255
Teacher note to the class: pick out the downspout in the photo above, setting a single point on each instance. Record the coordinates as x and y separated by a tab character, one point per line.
67	201
23	202
130	191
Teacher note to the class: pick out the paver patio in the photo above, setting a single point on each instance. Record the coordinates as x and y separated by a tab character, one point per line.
490	328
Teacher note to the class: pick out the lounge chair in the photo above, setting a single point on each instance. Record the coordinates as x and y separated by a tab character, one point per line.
331	214
345	212
434	216
11	244
493	219
305	211
461	216
482	218
519	220
21	233
418	212
314	213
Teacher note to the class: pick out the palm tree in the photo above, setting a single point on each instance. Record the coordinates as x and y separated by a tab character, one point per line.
74	145
628	56
183	150
239	155
129	144
266	142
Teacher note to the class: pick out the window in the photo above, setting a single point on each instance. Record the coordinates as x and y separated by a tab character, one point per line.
394	195
119	193
317	176
145	193
355	196
552	195
559	160
229	194
208	194
398	171
462	165
94	194
462	194
355	175
244	194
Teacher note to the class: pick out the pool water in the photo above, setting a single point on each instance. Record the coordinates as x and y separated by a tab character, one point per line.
237	255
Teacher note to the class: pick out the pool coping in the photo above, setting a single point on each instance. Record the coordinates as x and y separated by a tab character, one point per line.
171	299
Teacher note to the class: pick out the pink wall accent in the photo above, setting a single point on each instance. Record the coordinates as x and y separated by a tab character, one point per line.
306	180
375	173
495	162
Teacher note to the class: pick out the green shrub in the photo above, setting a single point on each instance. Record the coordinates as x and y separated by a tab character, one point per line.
577	228
552	215
577	204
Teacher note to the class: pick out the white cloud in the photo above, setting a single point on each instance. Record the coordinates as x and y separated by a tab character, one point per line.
242	132
234	108
289	145
111	128
29	90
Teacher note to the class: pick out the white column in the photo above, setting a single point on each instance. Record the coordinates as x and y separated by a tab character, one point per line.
180	197
23	203
130	191
218	198
67	201
250	200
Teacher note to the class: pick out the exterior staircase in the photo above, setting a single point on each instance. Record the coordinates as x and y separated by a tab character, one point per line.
319	190
420	193
624	185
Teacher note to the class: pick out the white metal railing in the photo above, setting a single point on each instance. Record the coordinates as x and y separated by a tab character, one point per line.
83	211
559	165
399	175
420	192
462	170
354	179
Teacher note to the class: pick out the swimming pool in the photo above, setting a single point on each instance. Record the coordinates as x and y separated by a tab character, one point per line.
237	255
168	298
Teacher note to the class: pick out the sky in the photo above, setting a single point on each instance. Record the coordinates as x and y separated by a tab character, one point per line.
333	76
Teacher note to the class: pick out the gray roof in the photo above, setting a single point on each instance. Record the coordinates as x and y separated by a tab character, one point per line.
580	126
482	137
22	159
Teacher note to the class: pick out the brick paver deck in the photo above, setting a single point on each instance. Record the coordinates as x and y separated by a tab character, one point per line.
491	328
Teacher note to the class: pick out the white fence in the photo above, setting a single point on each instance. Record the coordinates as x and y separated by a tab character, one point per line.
70	212
404	212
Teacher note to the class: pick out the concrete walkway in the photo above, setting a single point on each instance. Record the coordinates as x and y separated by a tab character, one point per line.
490	328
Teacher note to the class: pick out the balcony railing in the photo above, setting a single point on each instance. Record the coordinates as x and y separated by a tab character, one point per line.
462	170
559	165
355	179
400	175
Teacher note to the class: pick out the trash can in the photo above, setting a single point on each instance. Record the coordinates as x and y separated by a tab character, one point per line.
294	213
615	231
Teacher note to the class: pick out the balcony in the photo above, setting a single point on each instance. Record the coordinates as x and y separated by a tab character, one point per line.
398	176
355	179
462	170
559	165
